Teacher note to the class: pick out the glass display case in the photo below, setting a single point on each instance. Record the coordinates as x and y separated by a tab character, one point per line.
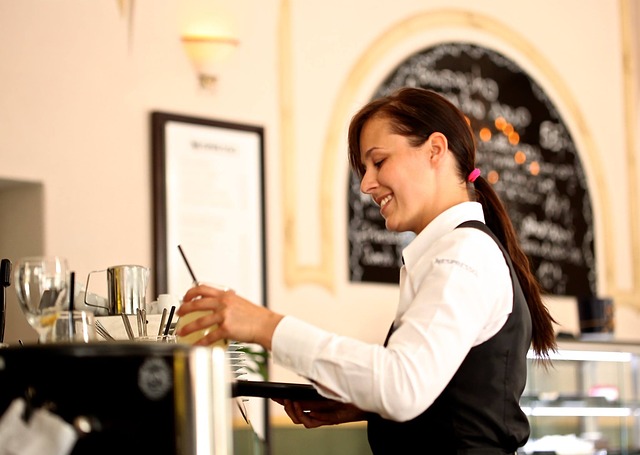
587	397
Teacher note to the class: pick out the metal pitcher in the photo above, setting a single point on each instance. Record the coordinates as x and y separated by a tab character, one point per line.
126	288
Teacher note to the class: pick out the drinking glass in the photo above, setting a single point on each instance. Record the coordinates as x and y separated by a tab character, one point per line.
71	326
194	337
41	285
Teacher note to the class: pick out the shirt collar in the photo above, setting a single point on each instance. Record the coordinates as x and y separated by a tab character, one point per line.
444	223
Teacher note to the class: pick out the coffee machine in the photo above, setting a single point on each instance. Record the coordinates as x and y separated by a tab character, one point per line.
126	397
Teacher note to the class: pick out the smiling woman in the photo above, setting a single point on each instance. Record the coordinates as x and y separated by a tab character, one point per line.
524	149
469	307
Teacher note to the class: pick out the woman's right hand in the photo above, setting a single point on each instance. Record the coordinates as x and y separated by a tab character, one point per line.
235	317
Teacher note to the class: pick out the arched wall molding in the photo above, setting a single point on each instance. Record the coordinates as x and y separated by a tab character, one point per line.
323	272
629	15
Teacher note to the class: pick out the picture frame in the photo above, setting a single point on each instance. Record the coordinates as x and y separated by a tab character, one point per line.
208	197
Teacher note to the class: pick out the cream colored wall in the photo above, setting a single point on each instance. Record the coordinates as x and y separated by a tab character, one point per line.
80	79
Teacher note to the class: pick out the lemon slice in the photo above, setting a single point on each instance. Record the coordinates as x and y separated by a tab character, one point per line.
47	320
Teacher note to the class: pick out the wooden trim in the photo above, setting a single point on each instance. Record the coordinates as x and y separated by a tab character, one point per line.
630	55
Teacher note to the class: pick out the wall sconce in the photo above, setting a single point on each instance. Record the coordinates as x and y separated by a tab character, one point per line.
206	52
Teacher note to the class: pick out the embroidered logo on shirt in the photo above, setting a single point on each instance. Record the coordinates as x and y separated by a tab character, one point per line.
458	263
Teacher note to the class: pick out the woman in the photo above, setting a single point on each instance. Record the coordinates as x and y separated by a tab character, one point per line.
452	370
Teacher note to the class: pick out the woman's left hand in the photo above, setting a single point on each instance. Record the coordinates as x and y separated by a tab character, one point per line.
313	414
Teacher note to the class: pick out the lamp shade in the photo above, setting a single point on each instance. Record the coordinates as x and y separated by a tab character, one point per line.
206	52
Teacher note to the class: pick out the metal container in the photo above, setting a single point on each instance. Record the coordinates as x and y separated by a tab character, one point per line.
126	289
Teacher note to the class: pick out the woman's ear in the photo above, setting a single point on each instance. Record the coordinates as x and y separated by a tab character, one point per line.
438	145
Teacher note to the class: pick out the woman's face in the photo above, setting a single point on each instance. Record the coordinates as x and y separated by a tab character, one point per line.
400	178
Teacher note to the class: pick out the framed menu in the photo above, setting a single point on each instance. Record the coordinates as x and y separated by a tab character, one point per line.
208	198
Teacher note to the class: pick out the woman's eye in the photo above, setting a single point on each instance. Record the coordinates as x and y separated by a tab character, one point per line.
377	164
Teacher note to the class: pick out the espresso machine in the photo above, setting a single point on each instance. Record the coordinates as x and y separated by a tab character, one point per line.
126	397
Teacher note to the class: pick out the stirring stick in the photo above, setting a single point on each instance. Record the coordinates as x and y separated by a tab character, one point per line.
72	278
143	316
168	326
162	321
127	326
139	322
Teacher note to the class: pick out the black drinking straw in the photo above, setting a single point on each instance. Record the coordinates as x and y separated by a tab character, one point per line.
72	278
193	276
168	326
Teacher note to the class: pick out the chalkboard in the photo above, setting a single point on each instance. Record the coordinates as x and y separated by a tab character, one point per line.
524	149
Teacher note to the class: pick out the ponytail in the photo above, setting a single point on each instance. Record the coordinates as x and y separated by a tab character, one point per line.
495	214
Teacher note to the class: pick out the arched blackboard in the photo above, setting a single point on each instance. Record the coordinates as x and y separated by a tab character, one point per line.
524	149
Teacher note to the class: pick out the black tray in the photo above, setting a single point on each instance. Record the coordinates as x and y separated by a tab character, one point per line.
269	389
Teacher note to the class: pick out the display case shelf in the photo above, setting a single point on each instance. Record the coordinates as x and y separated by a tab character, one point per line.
590	390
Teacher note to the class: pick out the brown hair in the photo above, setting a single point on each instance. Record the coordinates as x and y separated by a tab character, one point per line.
417	113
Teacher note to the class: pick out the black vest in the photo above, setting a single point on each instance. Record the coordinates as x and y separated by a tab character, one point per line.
478	413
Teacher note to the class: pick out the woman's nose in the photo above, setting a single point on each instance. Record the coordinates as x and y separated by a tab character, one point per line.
368	183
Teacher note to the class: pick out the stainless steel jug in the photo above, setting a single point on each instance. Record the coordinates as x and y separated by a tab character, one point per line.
126	288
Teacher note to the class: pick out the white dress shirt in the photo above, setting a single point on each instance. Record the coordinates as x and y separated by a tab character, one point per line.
455	293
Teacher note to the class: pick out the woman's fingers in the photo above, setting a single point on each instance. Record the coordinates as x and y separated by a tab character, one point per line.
291	412
202	291
304	417
203	298
317	413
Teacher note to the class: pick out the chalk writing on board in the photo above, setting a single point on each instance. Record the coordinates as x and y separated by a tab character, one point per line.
525	150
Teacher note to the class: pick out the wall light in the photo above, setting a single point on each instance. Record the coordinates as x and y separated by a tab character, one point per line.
206	53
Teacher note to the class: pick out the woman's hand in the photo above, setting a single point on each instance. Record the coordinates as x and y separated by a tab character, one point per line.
236	318
317	413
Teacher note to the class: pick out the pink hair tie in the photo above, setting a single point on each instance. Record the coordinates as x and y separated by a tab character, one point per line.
473	175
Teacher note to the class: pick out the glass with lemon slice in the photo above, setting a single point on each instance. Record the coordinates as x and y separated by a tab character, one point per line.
41	284
194	337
